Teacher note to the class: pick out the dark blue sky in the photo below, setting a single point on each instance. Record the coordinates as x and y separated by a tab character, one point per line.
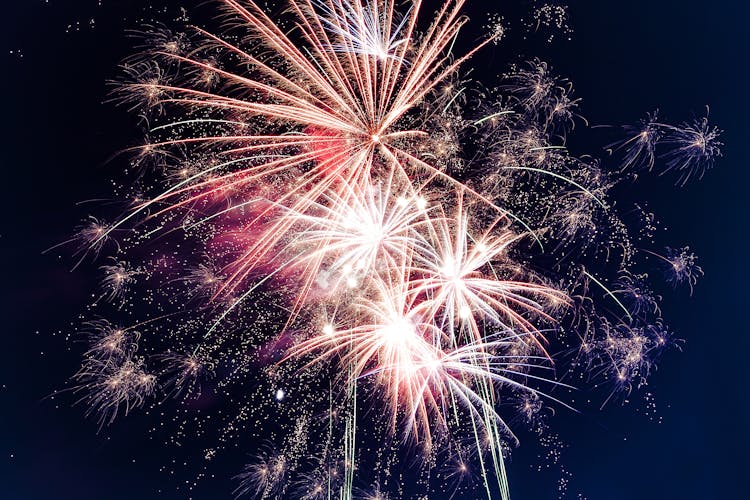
626	58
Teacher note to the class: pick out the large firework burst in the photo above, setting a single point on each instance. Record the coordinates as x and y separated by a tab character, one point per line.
325	203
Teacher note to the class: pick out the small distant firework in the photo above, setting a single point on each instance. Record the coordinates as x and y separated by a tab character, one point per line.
183	373
694	148
552	19
118	277
680	266
264	478
689	150
496	28
330	217
113	377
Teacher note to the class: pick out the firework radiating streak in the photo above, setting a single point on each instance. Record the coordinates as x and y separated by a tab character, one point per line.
367	128
404	350
363	30
452	275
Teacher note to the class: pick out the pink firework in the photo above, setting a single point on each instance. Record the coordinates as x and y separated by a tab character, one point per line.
316	165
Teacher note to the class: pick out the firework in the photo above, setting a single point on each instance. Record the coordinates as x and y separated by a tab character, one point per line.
307	214
689	149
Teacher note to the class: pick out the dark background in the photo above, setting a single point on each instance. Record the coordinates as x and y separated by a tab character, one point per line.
626	58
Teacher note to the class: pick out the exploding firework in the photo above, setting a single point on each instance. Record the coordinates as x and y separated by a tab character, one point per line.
328	207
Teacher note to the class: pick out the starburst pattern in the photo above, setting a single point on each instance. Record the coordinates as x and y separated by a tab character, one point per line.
328	205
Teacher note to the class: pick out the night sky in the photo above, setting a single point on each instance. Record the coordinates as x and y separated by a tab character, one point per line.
625	59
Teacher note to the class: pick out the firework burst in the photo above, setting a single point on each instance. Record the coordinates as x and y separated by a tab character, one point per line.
333	205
